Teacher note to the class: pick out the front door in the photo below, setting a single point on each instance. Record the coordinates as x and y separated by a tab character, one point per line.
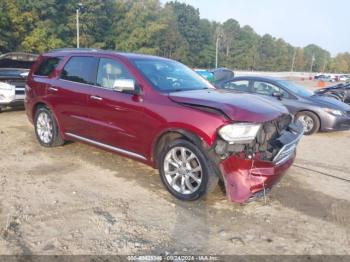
116	118
268	89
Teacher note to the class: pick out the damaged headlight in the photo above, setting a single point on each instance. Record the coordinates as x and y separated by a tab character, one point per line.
240	132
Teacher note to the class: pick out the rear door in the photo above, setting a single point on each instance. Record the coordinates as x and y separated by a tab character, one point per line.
68	94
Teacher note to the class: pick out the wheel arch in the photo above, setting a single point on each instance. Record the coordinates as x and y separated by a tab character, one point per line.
311	111
170	135
39	104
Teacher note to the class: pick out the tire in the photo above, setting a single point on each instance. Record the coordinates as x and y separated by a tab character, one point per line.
315	127
182	174
46	128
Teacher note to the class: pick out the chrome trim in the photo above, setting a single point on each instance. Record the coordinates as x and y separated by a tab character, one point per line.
65	80
115	149
96	98
53	89
287	150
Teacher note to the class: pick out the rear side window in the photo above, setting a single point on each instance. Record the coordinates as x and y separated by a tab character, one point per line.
80	69
47	66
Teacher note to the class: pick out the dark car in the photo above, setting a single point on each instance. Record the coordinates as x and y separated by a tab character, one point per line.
222	75
340	92
14	68
162	113
315	112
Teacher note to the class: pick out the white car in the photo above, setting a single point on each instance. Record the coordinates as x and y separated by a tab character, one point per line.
14	69
344	78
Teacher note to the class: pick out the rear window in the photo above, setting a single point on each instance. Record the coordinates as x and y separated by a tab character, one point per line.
47	66
81	70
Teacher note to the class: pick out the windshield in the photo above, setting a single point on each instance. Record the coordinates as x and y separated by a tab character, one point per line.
170	76
296	89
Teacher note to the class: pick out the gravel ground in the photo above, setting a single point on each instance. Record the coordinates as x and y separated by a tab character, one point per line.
77	199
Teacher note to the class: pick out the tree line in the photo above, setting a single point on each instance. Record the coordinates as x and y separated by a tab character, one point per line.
173	30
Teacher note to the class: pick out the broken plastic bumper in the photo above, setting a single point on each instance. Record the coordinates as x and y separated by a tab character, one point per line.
245	177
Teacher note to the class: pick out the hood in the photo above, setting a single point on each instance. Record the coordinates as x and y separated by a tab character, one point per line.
237	106
329	102
330	88
8	73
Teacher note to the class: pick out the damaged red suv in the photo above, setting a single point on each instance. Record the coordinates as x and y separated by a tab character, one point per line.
162	113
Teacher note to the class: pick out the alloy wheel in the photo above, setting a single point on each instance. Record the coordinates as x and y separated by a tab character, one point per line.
307	122
44	127
183	170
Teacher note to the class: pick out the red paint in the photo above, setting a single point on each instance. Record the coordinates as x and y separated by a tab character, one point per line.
135	122
244	177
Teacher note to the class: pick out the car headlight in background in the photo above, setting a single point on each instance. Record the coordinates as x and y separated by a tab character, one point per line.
240	132
6	86
334	112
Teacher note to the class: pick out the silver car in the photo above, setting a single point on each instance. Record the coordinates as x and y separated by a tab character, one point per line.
315	112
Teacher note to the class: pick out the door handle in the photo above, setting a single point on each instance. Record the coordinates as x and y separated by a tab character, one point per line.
53	89
96	98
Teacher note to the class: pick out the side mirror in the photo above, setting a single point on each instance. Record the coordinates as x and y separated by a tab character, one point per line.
124	85
278	95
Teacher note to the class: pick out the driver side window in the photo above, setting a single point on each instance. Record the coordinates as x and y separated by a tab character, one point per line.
110	70
264	88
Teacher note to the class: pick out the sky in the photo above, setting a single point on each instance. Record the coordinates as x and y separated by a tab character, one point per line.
300	22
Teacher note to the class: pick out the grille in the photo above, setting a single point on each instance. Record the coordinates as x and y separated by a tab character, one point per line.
20	86
19	91
269	133
287	151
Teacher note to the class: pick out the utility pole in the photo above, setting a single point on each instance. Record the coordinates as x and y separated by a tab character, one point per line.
217	50
324	65
293	61
78	33
78	26
312	62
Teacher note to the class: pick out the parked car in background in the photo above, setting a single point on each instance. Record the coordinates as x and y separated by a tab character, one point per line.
14	68
205	74
315	112
326	78
340	92
344	78
162	113
222	75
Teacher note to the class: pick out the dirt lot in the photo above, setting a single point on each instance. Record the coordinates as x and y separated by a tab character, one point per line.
78	199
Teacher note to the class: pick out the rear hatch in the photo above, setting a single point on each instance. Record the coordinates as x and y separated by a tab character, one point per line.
14	69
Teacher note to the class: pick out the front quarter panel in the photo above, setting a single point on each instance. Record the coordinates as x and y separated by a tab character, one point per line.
167	116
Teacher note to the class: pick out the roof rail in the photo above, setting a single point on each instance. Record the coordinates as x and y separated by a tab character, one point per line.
75	50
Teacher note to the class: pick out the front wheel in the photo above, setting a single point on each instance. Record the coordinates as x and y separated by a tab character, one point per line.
46	128
185	171
310	122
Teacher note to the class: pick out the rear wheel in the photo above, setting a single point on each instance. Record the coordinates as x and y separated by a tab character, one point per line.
46	128
185	171
310	122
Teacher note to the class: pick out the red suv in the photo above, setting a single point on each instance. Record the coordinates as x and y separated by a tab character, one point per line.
162	113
